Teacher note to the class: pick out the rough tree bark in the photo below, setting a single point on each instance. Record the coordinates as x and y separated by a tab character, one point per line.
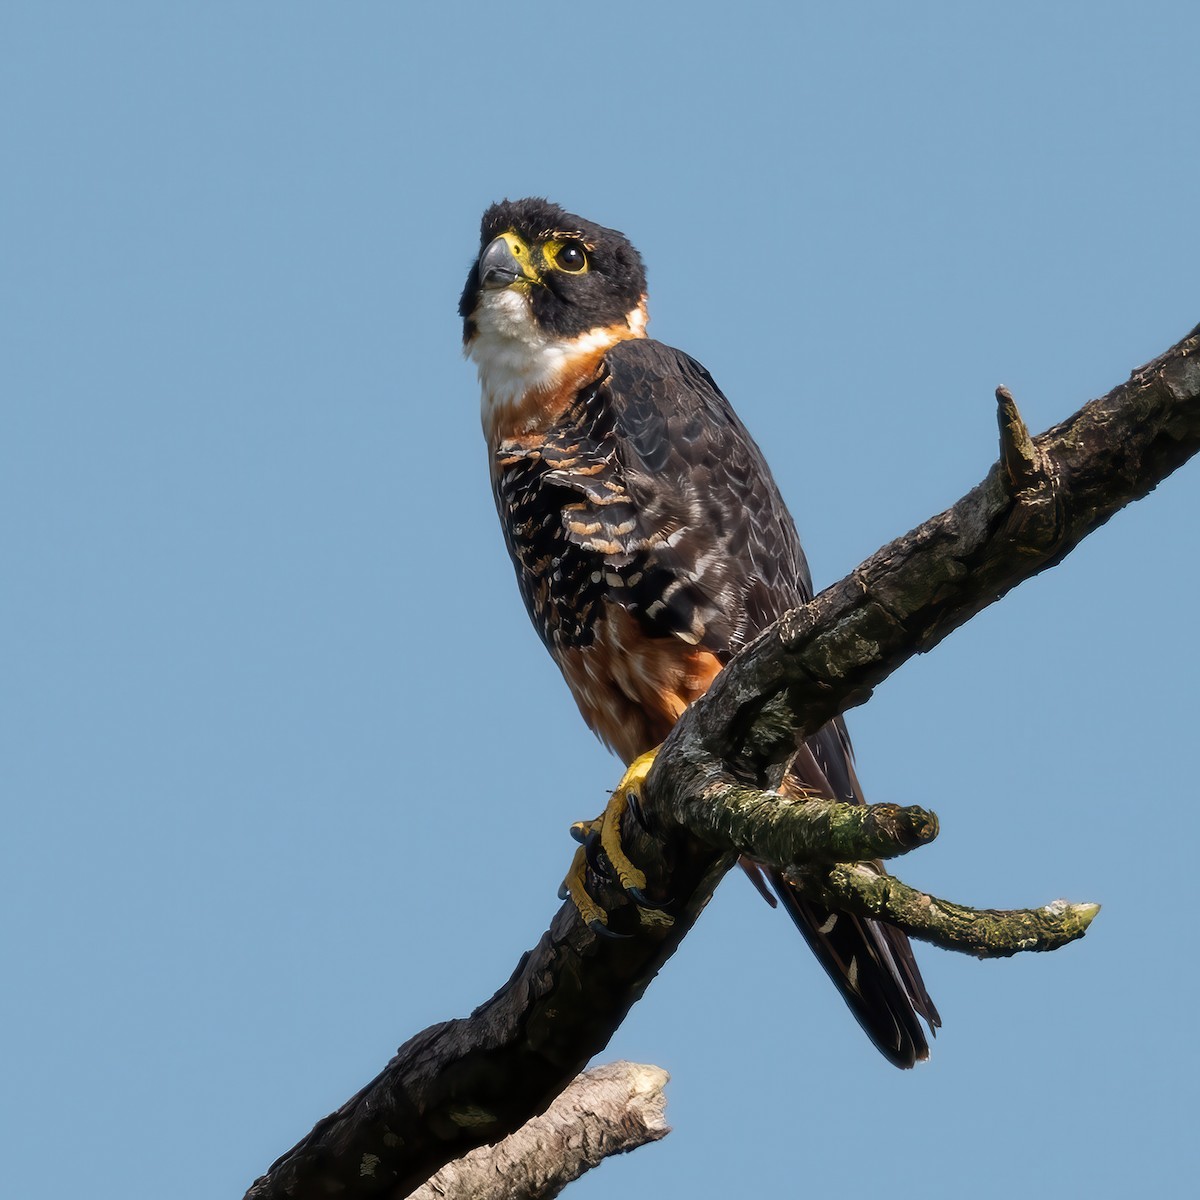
609	1110
471	1082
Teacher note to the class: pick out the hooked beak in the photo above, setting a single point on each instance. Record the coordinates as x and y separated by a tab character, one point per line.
498	265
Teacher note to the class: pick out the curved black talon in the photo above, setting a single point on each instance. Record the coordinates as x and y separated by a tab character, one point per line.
643	901
602	930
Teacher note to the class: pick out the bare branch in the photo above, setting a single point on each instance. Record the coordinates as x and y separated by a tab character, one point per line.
606	1111
782	829
469	1082
984	932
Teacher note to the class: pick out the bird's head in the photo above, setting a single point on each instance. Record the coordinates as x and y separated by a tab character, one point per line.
548	296
550	270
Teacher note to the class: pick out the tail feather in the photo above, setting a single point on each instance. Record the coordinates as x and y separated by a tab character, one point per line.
872	965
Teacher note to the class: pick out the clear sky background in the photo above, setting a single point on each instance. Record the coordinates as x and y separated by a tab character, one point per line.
287	776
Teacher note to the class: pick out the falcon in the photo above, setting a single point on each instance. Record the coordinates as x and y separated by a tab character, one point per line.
650	544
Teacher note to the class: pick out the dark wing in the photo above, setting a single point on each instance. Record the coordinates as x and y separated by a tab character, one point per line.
677	498
670	492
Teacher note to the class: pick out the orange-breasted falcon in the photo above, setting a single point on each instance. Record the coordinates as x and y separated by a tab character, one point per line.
649	539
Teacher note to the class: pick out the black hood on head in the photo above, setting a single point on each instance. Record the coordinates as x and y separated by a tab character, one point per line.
562	303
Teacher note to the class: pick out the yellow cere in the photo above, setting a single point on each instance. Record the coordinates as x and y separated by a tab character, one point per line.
521	253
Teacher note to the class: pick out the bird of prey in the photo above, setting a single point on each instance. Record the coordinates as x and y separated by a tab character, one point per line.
650	542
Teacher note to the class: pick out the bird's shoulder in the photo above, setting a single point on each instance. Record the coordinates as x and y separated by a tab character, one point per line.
654	427
668	486
665	403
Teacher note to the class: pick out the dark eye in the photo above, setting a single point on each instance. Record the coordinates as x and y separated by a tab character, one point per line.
571	258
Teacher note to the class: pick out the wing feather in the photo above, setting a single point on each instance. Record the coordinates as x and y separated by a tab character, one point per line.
674	494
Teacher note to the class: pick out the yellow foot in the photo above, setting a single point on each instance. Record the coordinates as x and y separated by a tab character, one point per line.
575	886
606	829
630	787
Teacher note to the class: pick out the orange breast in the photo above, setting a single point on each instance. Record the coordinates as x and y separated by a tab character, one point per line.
631	688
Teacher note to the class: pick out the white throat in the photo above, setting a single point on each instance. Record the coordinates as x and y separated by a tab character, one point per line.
516	359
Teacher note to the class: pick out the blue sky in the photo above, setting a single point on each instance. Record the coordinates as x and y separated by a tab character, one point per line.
286	775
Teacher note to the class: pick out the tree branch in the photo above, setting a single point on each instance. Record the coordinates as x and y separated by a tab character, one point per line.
984	932
609	1110
1033	508
788	829
469	1082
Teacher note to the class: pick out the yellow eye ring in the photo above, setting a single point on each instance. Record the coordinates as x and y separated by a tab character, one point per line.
571	258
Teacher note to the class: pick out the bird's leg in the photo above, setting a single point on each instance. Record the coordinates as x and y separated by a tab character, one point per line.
628	790
605	831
